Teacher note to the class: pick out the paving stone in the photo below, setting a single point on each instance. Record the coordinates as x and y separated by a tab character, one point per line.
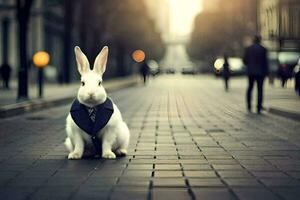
196	167
223	162
166	161
260	168
254	193
295	175
289	193
201	174
100	181
88	192
129	194
140	167
27	182
249	182
167	174
53	192
18	193
270	174
170	193
139	173
234	174
169	182
205	182
103	173
227	167
167	167
280	182
193	161
64	182
130	181
213	194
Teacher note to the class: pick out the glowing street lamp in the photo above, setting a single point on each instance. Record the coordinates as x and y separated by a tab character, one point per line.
40	60
138	56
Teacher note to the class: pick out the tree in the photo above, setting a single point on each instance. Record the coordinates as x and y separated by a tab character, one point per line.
23	14
123	25
223	31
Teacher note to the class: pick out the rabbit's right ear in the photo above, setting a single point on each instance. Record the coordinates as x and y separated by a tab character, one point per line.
83	64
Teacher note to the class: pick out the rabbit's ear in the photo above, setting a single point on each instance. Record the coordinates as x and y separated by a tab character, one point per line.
83	64
101	60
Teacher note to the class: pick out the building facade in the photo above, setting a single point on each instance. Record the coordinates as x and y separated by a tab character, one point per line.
279	24
46	32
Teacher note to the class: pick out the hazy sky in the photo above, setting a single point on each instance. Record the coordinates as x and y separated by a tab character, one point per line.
182	13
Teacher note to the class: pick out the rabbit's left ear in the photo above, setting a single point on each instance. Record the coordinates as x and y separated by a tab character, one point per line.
101	60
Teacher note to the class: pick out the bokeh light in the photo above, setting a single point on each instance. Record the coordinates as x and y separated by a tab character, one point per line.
218	64
138	55
41	59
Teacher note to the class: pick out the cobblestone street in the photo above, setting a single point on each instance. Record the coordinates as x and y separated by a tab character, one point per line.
189	140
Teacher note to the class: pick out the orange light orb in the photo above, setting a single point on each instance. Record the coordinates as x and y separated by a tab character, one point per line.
41	59
138	56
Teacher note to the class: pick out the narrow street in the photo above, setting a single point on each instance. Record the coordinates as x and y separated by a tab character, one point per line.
189	140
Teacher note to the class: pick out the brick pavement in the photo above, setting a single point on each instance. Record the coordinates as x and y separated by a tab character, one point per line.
190	140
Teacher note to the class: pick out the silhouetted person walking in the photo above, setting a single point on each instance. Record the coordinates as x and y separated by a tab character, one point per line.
144	70
226	72
5	74
256	61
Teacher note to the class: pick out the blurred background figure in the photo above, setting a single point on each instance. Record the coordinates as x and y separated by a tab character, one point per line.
144	71
5	74
297	77
283	73
226	72
256	61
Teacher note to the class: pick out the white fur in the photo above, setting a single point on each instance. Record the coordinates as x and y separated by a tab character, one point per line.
115	135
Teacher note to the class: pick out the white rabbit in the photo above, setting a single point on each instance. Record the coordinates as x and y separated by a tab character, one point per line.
114	134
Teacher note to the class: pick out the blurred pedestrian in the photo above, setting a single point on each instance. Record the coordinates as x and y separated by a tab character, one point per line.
283	72
144	71
256	61
297	77
226	72
5	71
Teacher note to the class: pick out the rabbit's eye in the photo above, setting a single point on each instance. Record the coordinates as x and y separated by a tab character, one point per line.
82	83
100	82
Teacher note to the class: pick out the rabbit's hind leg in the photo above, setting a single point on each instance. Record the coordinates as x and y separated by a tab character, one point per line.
68	144
123	139
108	140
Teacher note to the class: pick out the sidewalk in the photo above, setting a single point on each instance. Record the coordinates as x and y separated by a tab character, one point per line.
283	102
277	100
54	94
189	140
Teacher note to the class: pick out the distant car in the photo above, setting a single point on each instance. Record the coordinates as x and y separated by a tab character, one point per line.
236	66
189	70
170	70
154	67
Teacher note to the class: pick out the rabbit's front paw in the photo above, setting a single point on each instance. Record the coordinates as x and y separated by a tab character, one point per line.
109	155
74	156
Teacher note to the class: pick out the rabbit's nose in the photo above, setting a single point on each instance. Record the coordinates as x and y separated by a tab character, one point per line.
91	94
